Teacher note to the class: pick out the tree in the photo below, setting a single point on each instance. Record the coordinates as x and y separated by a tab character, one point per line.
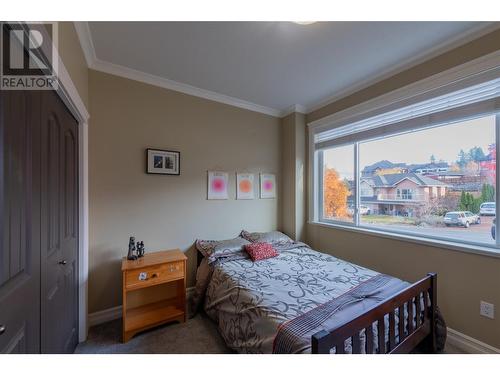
433	159
454	167
335	194
488	193
462	159
476	154
469	203
471	168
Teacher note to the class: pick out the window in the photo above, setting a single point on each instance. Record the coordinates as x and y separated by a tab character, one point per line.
338	183
422	173
413	195
405	194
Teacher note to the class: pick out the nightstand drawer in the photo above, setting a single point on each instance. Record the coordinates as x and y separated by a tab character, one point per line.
152	275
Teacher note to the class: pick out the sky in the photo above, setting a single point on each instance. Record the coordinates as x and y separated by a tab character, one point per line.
443	142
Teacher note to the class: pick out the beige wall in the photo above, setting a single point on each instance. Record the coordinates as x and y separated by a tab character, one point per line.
168	211
463	278
477	48
72	55
293	175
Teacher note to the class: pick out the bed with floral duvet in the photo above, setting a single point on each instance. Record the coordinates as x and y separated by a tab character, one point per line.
276	305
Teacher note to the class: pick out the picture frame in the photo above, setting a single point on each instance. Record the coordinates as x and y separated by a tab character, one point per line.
217	185
163	162
267	186
245	186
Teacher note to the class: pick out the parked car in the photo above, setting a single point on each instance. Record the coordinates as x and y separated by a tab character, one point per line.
493	230
363	210
461	218
487	208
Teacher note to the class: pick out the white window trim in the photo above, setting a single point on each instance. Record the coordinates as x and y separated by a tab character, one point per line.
483	66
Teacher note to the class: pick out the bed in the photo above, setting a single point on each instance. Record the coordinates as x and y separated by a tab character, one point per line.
305	301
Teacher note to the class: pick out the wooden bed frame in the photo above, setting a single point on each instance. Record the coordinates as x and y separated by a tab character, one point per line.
412	331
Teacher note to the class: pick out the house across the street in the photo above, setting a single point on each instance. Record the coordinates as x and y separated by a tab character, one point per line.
399	193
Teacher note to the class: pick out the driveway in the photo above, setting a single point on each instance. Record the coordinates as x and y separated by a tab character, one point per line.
475	233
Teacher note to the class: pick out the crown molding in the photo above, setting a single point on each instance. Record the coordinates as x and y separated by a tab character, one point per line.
154	80
83	31
87	45
439	49
294	108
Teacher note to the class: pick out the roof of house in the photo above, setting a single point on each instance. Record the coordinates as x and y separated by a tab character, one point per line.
449	173
386	164
383	164
368	180
389	180
414	167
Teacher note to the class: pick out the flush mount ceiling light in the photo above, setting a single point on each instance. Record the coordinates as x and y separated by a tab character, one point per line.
304	22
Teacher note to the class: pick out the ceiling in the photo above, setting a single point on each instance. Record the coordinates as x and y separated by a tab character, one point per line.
267	66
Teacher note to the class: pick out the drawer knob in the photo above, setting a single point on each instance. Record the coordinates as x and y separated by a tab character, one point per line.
154	275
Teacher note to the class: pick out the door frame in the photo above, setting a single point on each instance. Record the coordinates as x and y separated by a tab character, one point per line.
68	93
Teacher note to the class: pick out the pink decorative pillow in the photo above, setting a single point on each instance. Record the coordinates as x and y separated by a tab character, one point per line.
260	250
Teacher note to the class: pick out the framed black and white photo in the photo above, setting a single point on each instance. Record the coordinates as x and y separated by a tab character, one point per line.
163	162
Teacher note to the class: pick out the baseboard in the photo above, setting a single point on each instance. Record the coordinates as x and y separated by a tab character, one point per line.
469	344
457	339
104	316
113	313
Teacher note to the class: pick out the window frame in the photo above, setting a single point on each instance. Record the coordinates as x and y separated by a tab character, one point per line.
356	225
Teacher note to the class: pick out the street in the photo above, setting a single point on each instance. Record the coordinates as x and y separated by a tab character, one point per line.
475	233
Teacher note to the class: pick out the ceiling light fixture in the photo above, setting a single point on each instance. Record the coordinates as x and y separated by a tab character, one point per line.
304	22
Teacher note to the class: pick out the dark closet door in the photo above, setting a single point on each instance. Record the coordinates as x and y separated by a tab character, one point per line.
19	222
59	226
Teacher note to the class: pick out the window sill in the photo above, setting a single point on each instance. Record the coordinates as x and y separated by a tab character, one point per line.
449	245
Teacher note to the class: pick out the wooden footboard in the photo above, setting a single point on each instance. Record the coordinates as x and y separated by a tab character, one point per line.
410	331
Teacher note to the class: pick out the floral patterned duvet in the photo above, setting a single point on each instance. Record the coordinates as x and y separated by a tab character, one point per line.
252	301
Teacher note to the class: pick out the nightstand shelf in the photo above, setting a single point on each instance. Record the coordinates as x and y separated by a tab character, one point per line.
154	269
152	314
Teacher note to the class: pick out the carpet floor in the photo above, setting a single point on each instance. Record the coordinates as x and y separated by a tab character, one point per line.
198	335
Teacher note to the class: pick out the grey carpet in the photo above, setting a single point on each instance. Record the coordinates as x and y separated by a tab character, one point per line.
197	336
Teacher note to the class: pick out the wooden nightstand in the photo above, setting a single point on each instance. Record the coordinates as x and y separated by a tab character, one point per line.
162	267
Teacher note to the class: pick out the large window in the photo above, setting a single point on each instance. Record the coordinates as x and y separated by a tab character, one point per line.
431	179
338	183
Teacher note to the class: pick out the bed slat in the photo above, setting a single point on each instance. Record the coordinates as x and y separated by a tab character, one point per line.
419	310
356	344
381	336
392	330
410	316
369	339
339	349
426	306
401	323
